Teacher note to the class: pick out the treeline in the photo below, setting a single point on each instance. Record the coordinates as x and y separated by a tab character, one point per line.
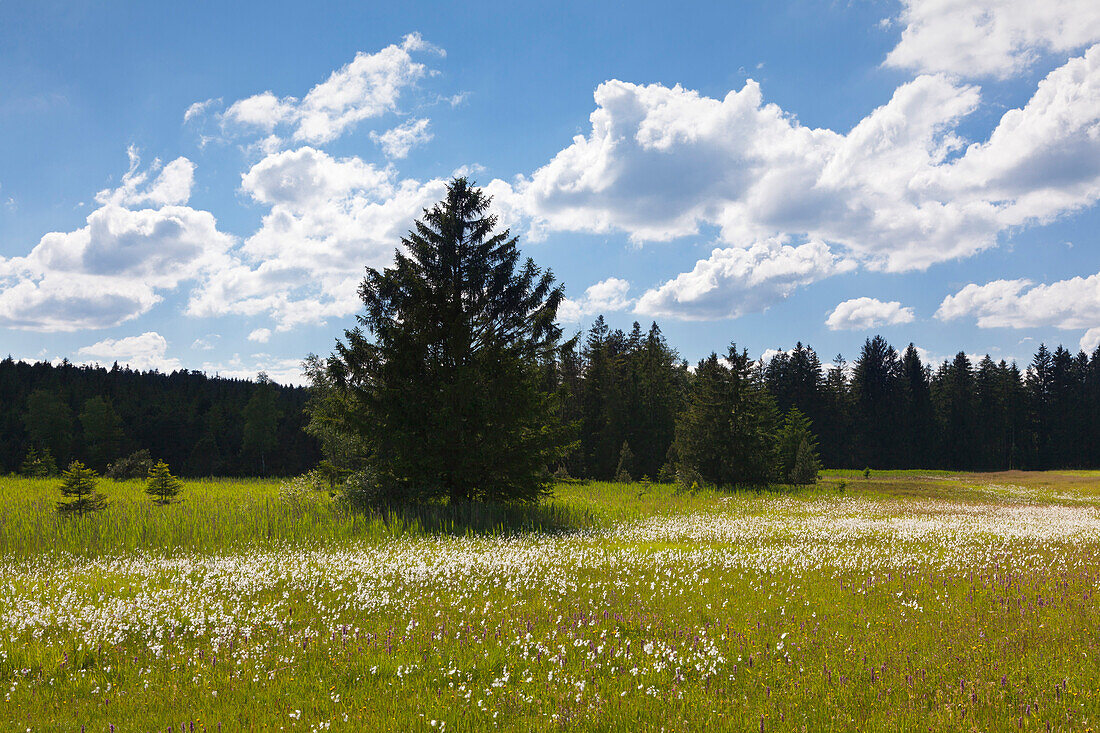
631	395
200	425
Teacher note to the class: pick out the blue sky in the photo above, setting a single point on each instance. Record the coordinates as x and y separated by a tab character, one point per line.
201	186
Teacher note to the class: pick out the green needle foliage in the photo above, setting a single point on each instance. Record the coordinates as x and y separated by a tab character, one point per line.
162	485
447	383
798	461
78	486
38	464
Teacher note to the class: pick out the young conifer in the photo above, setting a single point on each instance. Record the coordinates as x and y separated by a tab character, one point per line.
78	485
162	486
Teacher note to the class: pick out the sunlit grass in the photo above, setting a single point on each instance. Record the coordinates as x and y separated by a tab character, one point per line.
907	601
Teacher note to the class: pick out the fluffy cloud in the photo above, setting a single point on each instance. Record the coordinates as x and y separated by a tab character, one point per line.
260	335
115	267
369	86
1065	304
865	313
603	297
328	218
397	143
733	281
147	351
994	38
900	191
1091	340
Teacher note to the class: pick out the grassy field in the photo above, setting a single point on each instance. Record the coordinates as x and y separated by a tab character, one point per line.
913	600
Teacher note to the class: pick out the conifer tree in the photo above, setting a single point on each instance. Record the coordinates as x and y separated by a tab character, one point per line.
623	474
726	434
162	485
38	464
78	484
806	465
446	371
795	437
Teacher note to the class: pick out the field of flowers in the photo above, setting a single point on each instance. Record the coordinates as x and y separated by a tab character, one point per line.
905	601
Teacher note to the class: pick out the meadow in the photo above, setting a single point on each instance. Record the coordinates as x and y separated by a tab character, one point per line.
911	600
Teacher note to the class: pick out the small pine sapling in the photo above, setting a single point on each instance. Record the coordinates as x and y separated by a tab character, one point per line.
626	465
162	486
78	485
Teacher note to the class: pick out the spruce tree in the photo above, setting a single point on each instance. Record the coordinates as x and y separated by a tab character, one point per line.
38	464
162	485
78	485
806	465
445	374
796	437
625	469
726	434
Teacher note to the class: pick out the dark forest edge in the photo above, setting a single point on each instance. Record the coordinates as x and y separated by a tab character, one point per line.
624	392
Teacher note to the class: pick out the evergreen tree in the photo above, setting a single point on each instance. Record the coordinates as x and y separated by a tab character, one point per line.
49	422
726	434
38	464
806	465
955	404
447	390
78	485
624	471
876	403
794	438
261	422
162	485
103	436
917	421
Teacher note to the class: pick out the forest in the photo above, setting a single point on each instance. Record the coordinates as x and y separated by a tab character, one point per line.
200	425
885	409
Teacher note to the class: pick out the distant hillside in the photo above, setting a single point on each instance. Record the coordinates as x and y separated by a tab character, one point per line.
198	424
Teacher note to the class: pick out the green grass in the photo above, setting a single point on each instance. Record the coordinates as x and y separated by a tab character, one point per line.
912	600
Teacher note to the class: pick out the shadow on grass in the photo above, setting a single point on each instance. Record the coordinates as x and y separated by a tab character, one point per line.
475	518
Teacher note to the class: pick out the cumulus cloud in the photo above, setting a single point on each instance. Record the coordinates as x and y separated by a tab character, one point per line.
328	218
1065	304
990	38
733	282
367	87
604	297
901	190
144	352
1091	340
397	142
260	335
865	313
115	267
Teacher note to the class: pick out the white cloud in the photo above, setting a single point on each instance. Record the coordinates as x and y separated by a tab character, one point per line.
1064	304
1091	340
280	370
900	191
865	313
991	38
733	282
206	343
367	87
329	218
147	351
260	335
397	142
198	109
604	297
171	186
115	267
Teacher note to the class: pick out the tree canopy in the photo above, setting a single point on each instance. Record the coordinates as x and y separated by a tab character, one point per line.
446	371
